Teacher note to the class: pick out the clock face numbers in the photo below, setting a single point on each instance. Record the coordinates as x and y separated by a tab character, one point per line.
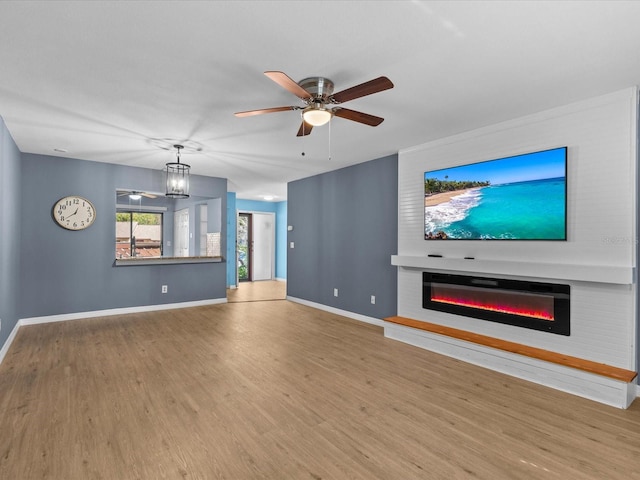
74	213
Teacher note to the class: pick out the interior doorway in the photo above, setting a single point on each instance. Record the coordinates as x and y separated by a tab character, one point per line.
256	246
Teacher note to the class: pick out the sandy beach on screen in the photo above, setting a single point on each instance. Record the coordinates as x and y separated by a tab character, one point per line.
438	198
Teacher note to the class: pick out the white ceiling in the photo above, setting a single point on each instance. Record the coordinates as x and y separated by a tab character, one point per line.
114	81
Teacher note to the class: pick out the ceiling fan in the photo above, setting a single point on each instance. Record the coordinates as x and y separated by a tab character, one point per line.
317	94
134	194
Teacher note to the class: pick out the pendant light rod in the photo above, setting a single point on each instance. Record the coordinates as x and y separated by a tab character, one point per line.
178	147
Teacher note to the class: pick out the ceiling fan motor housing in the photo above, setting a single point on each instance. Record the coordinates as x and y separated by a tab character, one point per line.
318	87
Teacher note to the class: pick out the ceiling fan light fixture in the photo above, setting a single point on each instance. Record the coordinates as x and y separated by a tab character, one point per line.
177	177
135	197
316	115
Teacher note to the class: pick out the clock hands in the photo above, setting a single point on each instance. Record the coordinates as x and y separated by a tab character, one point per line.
73	213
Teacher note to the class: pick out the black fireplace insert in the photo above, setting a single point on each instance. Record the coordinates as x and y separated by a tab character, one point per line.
534	305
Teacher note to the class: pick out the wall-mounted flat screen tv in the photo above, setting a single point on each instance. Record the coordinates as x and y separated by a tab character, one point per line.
523	197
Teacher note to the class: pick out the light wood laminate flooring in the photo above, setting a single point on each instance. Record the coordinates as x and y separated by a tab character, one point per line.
279	390
257	291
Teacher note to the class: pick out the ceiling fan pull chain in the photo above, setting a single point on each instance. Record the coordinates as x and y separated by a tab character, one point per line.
330	140
304	138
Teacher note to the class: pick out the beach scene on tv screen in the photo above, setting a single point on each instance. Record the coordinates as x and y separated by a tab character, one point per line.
516	198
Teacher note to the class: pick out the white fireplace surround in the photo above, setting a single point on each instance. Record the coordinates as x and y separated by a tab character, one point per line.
598	260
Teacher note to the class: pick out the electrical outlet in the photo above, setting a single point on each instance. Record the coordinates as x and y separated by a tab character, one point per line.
373	299
165	289
335	292
291	245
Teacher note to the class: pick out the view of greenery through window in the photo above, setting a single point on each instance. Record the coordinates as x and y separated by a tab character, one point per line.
243	247
140	218
138	234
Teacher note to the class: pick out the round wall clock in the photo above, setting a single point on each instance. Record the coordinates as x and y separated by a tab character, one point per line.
74	213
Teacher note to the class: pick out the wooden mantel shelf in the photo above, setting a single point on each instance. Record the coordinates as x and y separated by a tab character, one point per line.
602	369
621	275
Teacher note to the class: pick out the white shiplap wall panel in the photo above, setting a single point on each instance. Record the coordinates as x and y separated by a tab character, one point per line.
600	136
600	181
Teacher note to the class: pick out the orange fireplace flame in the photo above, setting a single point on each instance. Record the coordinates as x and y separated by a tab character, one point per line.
538	314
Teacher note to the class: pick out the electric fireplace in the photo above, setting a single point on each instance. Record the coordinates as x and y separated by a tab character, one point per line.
535	305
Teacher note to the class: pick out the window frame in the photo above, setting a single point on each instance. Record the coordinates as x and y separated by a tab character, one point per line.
132	247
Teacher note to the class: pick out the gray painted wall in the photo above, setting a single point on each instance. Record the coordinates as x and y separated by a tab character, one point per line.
11	215
345	229
68	272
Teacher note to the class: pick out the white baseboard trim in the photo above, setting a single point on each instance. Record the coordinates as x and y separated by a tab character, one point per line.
280	279
570	380
10	338
337	311
117	311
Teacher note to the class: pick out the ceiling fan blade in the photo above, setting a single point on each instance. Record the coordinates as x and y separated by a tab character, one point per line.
127	193
249	113
305	129
367	88
287	83
359	117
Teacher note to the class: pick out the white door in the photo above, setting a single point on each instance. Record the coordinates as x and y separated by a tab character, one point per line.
181	233
263	246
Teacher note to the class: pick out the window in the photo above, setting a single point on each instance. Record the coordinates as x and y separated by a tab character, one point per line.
138	234
243	242
203	230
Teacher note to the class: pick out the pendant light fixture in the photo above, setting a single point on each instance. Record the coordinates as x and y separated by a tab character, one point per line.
177	177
